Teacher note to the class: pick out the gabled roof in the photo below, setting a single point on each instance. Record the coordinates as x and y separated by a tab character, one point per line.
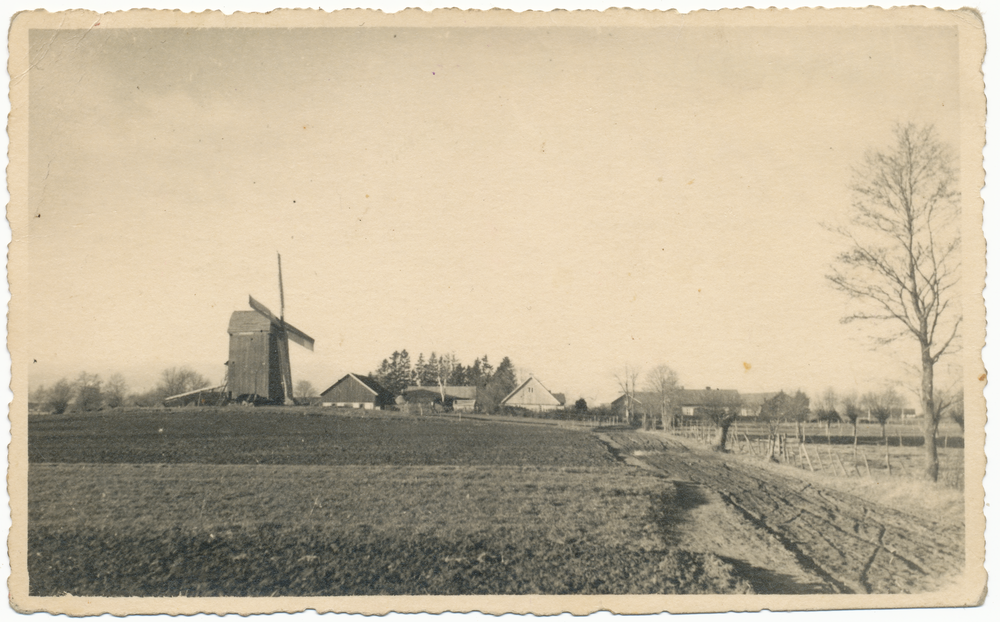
524	384
248	322
700	397
684	397
366	381
457	392
757	399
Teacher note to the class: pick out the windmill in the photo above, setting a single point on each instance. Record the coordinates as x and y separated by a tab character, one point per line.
259	368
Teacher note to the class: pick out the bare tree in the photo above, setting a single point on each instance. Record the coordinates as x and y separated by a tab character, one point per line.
626	378
881	405
88	392
177	380
721	408
59	396
850	410
304	388
445	367
662	381
903	257
956	408
115	391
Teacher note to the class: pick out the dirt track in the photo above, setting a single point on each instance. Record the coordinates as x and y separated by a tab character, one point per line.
785	535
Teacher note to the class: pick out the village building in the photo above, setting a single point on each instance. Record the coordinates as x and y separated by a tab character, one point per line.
532	395
686	400
753	402
460	398
356	391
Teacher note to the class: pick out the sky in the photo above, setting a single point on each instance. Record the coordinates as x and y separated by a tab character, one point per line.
578	199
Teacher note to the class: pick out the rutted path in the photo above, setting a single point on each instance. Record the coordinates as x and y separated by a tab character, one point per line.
785	535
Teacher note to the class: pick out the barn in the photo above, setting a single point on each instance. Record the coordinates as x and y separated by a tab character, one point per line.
461	398
532	395
687	400
356	391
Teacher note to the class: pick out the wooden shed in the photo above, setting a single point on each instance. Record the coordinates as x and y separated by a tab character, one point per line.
356	391
461	398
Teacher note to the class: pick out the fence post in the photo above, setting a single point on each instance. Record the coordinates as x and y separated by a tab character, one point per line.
867	468
819	459
837	456
802	450
888	465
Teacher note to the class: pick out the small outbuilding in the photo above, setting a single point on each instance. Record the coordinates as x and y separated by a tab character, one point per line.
461	398
532	395
356	391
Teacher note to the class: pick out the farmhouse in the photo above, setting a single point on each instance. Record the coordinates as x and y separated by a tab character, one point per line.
461	398
687	400
752	403
533	396
356	391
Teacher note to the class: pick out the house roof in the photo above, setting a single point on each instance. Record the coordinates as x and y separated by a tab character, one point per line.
248	322
524	384
457	392
684	397
756	399
366	381
700	397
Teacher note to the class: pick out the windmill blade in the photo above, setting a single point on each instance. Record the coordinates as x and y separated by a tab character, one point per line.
259	308
286	368
281	288
299	337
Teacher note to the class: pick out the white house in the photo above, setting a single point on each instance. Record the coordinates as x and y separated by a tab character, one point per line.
532	395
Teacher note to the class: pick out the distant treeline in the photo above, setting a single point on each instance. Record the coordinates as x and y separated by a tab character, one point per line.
493	383
89	392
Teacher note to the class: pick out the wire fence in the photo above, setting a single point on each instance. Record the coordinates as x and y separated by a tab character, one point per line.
818	448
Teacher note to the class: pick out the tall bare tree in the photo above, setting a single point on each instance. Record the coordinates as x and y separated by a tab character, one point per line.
115	391
662	381
304	388
903	257
626	378
445	367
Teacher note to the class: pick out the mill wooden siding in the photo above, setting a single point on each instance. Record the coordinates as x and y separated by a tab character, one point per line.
254	367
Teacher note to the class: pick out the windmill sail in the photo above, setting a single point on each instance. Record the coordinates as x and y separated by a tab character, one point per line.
284	333
294	334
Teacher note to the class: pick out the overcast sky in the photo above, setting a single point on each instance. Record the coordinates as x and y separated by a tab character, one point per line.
576	199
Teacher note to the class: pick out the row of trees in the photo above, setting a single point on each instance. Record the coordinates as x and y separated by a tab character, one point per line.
398	372
88	392
723	409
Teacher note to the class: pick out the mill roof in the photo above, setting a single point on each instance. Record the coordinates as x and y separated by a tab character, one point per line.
248	322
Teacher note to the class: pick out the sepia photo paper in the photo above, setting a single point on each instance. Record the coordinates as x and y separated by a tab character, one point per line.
538	312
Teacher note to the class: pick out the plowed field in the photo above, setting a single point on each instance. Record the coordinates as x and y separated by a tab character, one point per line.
245	503
797	535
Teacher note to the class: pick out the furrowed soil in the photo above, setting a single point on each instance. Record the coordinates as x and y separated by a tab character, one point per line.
246	503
